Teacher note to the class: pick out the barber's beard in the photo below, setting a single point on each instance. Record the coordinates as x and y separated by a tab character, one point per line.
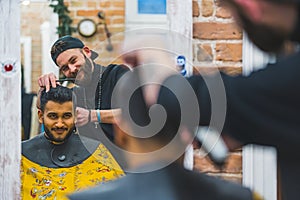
50	136
264	37
84	75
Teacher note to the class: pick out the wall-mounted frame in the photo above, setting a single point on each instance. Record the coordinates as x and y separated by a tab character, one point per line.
144	13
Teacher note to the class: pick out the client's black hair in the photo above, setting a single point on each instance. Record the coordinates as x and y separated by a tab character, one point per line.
59	94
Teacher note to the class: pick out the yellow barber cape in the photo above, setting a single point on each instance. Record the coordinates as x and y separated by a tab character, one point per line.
39	182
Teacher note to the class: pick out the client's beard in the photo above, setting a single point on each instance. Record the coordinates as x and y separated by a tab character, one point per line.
50	136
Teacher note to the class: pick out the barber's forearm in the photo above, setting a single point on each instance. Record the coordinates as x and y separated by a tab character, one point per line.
106	116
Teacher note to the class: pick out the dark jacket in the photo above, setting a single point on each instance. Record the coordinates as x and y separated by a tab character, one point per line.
170	183
88	96
262	108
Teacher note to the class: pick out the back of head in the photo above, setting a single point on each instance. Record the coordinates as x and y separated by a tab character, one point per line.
59	94
163	121
158	131
152	123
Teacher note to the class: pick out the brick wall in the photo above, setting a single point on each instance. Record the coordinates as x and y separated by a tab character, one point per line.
34	14
115	19
218	41
32	17
217	44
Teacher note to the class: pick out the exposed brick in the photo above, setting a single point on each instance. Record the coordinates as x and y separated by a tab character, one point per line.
223	13
118	21
108	21
115	13
76	21
216	31
75	4
72	14
232	71
229	52
91	4
196	11
233	164
114	30
87	12
207	8
204	164
204	53
120	4
105	4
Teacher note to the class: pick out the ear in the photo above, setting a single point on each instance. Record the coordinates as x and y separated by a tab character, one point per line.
251	8
41	116
87	51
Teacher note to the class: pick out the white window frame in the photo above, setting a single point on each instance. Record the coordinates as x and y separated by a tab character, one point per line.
27	65
178	19
259	162
135	20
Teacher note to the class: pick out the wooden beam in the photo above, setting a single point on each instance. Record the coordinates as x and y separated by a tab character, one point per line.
10	99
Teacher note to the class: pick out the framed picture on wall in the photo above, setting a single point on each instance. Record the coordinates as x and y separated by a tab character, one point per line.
146	13
157	7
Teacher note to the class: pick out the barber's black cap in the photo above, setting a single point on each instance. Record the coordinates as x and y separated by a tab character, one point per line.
67	42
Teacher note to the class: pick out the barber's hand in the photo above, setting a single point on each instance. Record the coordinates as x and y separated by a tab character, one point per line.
82	116
47	80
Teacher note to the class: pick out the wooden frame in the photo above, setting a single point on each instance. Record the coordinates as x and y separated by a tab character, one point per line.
10	98
259	162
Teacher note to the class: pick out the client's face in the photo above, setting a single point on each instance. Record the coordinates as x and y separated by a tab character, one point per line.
58	120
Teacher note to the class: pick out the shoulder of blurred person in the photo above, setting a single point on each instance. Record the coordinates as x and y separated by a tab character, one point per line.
169	183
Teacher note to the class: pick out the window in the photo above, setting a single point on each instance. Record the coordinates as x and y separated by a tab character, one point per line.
152	7
146	14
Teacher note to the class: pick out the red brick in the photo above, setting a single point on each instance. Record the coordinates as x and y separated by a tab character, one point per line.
233	164
91	4
119	4
105	4
207	8
204	53
223	13
229	52
118	21
87	12
196	11
216	31
115	13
